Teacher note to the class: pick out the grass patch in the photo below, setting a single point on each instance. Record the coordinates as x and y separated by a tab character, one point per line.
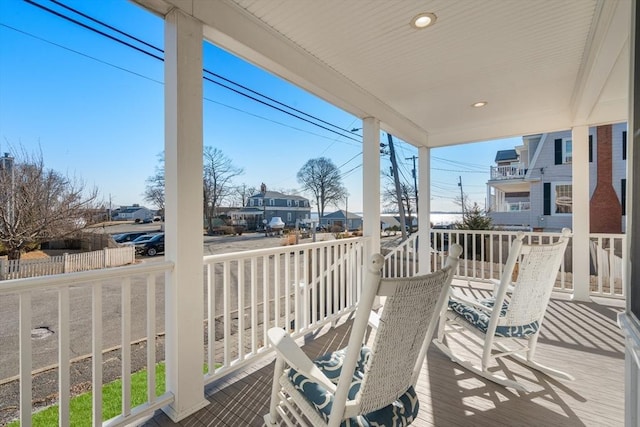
81	406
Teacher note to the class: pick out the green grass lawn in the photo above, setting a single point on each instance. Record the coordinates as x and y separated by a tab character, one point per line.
80	407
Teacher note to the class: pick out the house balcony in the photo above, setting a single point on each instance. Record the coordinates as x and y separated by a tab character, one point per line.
500	173
513	207
101	325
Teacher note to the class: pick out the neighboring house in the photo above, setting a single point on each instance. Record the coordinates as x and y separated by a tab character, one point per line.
387	221
132	213
530	187
264	206
337	218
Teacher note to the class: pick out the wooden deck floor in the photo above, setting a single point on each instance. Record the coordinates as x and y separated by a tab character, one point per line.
579	338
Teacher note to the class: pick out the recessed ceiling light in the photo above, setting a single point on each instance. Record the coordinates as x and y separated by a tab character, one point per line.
479	104
423	20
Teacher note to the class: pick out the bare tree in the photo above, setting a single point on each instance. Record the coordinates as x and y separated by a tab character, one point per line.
39	204
218	174
241	194
406	197
154	191
322	179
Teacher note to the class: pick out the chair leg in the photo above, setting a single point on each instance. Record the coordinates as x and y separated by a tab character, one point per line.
272	417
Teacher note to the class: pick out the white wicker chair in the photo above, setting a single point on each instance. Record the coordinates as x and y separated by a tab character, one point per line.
357	385
519	321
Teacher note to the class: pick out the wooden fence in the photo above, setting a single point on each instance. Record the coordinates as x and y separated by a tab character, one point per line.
67	263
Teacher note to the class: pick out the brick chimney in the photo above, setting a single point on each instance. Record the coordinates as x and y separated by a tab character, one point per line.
605	211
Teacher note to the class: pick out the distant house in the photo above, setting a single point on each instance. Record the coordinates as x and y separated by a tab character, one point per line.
264	206
531	185
132	213
354	222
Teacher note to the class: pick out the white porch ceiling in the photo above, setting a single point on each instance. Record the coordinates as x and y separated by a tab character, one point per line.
541	65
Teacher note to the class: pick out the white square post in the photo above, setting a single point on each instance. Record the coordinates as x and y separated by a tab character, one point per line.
184	351
580	226
371	183
424	209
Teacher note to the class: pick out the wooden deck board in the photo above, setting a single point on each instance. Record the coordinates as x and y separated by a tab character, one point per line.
582	339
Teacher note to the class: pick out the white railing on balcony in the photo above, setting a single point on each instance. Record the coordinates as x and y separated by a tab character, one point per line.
299	288
113	307
507	172
485	253
513	207
607	254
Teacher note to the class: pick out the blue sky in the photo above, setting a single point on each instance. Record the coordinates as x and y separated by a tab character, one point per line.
94	108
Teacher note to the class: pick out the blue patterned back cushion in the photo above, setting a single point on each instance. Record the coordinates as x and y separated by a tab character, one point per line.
400	413
480	319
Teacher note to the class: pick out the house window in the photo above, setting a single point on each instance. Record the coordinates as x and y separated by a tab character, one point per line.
624	145
288	216
563	151
562	198
288	202
272	202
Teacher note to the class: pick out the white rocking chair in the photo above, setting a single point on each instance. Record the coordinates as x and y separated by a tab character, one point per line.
518	322
359	386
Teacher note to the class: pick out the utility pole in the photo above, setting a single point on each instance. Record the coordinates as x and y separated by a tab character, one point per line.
461	195
396	179
415	180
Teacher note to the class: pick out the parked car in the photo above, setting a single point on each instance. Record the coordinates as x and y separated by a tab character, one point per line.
152	246
128	237
139	239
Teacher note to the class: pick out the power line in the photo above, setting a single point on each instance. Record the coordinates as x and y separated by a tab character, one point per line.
88	27
80	53
253	98
277	122
95	30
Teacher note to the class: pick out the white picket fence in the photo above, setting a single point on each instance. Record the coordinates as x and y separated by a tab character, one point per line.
67	263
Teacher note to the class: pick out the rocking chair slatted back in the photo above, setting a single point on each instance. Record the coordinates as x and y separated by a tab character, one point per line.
407	313
539	265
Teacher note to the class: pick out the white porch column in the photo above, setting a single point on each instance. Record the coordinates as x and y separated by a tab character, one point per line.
371	183
580	227
184	351
424	207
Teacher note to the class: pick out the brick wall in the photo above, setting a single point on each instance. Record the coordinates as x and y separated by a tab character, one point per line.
604	208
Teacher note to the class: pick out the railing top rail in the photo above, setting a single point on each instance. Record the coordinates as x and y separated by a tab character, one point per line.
231	256
56	280
608	235
497	232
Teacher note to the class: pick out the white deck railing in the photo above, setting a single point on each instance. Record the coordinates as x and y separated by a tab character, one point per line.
127	294
485	253
507	172
299	288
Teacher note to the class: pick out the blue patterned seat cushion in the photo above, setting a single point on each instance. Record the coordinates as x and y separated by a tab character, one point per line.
400	413
480	319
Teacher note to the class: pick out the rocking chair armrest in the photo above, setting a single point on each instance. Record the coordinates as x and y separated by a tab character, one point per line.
468	301
287	349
